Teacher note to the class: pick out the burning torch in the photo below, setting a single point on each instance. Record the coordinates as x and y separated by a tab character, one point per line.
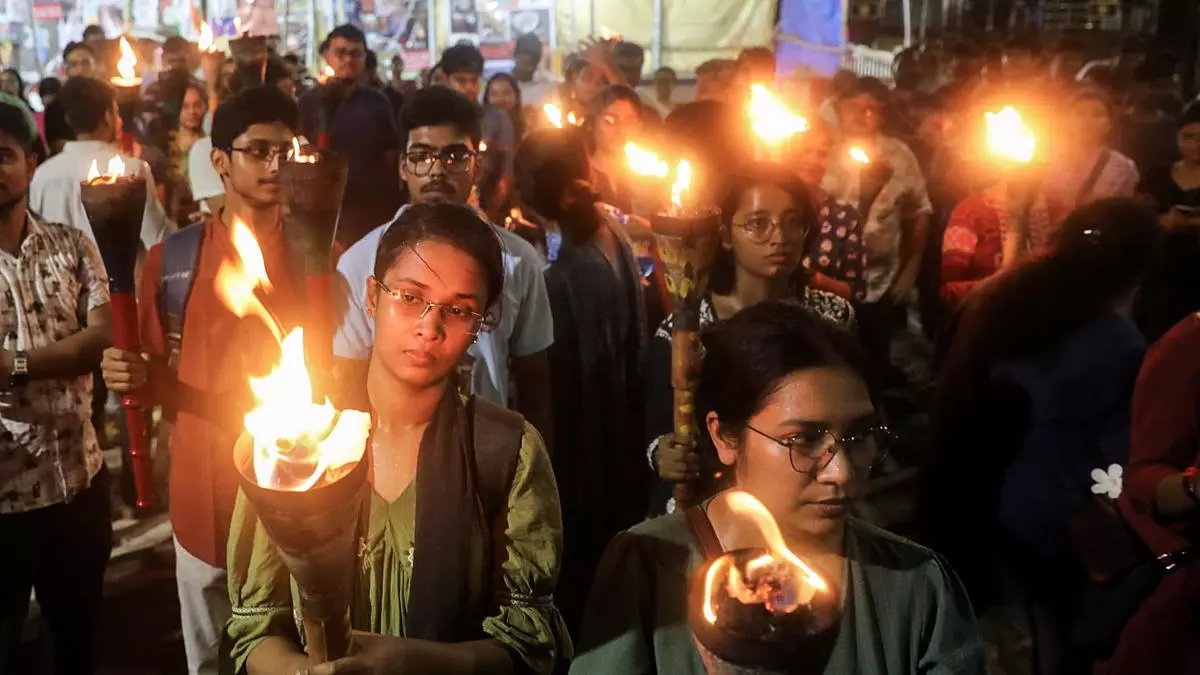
1011	141
761	610
129	93
115	204
301	466
686	241
772	122
313	185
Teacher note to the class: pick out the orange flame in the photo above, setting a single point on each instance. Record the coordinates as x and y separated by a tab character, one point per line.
326	74
573	120
770	119
779	561
114	171
298	153
298	444
553	115
683	182
606	34
645	162
205	41
859	155
1008	136
127	66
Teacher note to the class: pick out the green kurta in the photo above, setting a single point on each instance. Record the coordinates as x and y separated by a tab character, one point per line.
904	610
523	615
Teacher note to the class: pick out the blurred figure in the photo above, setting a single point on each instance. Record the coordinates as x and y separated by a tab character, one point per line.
463	65
594	286
504	93
397	82
1068	61
359	124
93	36
1032	403
1085	168
48	90
79	60
12	84
664	87
712	79
371	79
614	117
756	64
537	84
176	55
834	254
890	195
629	59
1022	60
1146	134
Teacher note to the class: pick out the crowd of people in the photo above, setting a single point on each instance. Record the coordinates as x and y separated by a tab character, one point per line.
502	313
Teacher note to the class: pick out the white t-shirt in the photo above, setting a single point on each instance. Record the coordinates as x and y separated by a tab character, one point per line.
525	327
203	179
54	191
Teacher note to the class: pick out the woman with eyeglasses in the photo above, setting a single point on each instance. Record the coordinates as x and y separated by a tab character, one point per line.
1031	425
614	118
461	534
768	220
783	396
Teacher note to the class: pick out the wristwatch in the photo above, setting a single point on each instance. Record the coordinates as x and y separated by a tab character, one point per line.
20	372
1189	484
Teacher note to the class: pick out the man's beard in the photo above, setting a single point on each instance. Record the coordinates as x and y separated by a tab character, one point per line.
7	205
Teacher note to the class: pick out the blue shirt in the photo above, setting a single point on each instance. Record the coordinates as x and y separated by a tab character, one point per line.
363	130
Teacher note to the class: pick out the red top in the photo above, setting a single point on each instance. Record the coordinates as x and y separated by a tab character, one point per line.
212	393
1165	432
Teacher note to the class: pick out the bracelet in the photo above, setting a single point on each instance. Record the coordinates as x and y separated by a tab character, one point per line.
650	455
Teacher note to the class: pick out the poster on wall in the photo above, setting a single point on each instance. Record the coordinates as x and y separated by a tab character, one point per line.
531	20
464	18
493	27
401	27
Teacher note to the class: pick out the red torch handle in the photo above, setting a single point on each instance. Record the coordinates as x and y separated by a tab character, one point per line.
318	330
125	327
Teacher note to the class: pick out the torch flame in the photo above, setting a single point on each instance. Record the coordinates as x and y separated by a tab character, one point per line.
1008	135
206	37
297	443
770	119
807	583
127	66
644	162
857	154
683	181
553	115
606	34
115	170
573	120
298	155
236	283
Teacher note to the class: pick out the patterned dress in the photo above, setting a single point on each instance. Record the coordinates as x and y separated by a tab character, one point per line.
973	244
836	250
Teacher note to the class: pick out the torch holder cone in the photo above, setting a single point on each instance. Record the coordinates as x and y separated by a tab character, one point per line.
686	246
316	533
312	198
749	640
115	212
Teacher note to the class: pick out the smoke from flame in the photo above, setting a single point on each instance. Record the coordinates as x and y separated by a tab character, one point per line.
770	119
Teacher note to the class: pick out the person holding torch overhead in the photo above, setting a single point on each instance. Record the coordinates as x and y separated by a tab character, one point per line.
198	352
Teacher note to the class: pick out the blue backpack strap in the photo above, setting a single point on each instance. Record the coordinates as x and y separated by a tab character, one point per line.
181	255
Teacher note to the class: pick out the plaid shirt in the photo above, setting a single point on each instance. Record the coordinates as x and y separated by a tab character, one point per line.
48	447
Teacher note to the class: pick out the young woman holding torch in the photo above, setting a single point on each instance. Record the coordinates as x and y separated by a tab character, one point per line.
768	219
783	397
434	588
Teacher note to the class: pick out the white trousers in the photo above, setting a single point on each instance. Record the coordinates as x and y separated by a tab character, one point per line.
204	609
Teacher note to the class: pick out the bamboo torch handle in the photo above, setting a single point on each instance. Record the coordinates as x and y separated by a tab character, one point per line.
684	346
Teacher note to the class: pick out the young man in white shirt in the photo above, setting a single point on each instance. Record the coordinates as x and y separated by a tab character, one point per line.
440	163
54	489
91	110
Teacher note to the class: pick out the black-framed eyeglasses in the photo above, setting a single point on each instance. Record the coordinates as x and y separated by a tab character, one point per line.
352	54
455	159
811	450
263	151
416	307
759	229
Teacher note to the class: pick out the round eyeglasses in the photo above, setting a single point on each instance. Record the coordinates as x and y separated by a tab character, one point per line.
760	229
414	306
811	450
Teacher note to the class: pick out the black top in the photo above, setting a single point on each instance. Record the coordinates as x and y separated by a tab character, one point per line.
1162	188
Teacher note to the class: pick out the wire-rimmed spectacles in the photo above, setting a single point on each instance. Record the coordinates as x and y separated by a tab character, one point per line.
811	450
416	307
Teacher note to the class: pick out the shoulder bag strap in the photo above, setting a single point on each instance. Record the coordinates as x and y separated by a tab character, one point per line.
181	255
1098	168
710	545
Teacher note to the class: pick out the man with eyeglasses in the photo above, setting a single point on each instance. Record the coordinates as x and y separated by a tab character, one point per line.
440	164
361	127
90	106
200	353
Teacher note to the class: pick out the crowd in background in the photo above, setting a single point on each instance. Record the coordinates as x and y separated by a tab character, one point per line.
486	241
